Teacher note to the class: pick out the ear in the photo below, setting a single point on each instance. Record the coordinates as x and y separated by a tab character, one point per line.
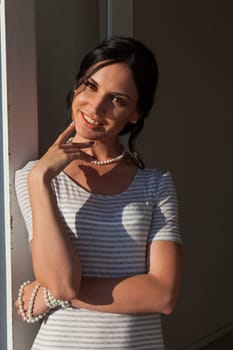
135	117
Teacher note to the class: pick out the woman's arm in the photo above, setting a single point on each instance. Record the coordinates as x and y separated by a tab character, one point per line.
55	261
156	291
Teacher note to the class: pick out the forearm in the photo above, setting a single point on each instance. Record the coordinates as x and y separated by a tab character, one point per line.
56	263
130	295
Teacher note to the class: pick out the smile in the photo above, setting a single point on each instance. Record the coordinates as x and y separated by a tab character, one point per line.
90	121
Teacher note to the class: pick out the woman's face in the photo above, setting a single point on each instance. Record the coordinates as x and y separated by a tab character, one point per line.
105	103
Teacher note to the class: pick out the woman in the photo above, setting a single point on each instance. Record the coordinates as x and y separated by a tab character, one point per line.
103	229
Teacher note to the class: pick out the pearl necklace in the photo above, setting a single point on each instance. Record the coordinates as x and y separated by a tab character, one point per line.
103	162
109	161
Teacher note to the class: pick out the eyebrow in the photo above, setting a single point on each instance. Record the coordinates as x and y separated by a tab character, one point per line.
114	92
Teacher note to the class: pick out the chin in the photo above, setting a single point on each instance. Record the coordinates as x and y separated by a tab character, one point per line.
84	136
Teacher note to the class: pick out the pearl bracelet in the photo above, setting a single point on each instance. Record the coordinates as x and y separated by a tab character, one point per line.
50	301
53	303
29	318
20	301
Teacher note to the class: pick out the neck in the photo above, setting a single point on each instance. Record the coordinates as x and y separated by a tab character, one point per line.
102	150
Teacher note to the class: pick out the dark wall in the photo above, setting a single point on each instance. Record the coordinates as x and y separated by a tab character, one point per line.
190	132
65	32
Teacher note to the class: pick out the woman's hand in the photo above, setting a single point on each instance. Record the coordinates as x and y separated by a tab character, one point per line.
39	306
59	155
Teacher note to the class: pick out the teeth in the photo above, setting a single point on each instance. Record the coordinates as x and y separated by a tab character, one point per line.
90	120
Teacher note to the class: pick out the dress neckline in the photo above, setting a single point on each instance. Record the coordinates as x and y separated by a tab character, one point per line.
84	190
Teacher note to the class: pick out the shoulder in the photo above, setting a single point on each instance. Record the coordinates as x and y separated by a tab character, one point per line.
26	168
156	176
157	180
22	174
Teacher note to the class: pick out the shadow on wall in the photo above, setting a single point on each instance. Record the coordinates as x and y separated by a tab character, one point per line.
190	132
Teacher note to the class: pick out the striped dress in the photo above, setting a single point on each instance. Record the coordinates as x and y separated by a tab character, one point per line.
111	234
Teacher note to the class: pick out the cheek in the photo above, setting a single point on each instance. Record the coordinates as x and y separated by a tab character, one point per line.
125	116
119	121
79	100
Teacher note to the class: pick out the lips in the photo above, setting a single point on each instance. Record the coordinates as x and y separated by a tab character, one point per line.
89	121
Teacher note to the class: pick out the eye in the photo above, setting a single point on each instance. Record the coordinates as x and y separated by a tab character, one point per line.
90	85
119	100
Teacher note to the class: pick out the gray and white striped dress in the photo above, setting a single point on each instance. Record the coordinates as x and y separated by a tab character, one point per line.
111	234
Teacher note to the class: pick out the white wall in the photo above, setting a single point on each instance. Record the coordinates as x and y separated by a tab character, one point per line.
190	132
22	135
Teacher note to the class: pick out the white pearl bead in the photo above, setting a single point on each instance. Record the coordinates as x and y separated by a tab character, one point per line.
108	161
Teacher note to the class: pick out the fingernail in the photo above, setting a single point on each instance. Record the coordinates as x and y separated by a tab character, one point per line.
72	123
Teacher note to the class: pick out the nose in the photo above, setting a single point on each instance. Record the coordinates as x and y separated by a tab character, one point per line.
99	104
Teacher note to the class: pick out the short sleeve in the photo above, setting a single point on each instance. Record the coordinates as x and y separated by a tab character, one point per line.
21	187
164	224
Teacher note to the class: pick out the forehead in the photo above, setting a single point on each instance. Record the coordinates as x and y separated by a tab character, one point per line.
116	76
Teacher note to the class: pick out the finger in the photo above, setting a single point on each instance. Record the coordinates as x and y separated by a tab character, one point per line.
85	156
78	145
79	154
65	134
18	313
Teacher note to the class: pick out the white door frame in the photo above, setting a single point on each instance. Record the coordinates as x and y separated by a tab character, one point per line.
5	244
